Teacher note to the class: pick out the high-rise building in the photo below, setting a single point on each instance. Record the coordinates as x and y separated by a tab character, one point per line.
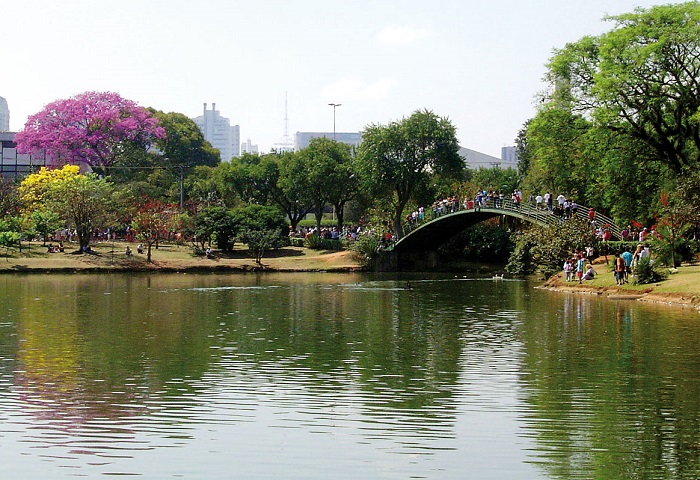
509	154
4	116
218	131
248	147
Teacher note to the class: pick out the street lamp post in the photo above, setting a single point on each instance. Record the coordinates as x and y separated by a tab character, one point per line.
334	105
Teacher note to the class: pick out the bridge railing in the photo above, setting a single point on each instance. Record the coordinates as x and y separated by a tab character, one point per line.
522	209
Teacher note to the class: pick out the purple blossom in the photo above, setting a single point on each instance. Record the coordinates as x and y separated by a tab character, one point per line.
90	127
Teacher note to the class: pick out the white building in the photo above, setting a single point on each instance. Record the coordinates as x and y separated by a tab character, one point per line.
248	147
218	131
474	160
4	116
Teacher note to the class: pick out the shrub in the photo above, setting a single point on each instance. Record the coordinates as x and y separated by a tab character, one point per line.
685	251
367	247
315	242
647	271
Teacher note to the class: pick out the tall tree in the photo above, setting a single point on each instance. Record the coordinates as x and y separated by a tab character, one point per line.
642	79
152	220
394	160
328	176
95	128
85	202
183	142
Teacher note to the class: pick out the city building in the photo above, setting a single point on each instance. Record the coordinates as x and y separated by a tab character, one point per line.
218	131
509	155
13	165
302	139
4	116
474	160
248	147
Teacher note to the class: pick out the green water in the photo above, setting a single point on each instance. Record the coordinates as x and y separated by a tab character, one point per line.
317	376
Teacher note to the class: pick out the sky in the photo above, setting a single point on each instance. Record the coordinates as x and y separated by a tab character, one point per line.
478	63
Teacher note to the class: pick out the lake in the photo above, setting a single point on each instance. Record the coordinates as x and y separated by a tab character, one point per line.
343	376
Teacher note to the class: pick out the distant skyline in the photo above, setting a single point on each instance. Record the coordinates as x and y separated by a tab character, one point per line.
480	64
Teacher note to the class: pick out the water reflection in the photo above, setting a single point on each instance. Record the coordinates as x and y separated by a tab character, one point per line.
616	390
302	375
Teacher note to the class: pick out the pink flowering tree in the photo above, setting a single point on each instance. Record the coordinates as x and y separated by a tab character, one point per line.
94	127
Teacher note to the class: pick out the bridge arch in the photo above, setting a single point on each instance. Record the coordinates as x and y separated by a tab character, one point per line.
427	236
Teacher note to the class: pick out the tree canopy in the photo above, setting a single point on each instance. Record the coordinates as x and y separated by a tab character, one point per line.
641	79
394	160
93	127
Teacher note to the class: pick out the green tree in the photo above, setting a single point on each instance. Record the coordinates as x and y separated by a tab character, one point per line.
184	143
260	227
216	222
9	199
396	160
261	241
287	191
641	79
46	222
85	202
11	232
259	217
327	176
546	248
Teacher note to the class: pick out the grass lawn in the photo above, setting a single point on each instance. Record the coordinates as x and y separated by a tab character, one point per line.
686	281
108	256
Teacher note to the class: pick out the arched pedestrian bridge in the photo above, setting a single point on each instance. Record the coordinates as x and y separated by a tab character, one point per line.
429	234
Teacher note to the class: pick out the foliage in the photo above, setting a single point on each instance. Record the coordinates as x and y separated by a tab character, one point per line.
557	140
84	201
396	160
9	239
648	271
215	223
328	176
258	218
272	179
35	188
520	261
484	242
548	247
367	247
496	178
688	194
672	254
46	222
151	221
9	199
94	127
641	79
183	142
316	242
261	241
11	230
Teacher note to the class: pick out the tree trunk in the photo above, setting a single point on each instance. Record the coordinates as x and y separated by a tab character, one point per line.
340	214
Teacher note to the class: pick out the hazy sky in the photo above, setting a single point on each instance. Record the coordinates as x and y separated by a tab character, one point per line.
478	63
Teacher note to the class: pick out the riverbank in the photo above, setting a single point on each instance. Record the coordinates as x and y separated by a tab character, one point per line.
172	258
681	288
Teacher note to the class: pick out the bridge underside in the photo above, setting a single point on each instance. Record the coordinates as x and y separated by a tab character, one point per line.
433	234
418	249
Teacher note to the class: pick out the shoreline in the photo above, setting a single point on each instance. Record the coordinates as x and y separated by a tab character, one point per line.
651	293
680	290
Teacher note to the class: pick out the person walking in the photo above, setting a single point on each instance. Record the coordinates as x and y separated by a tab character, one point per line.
620	267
